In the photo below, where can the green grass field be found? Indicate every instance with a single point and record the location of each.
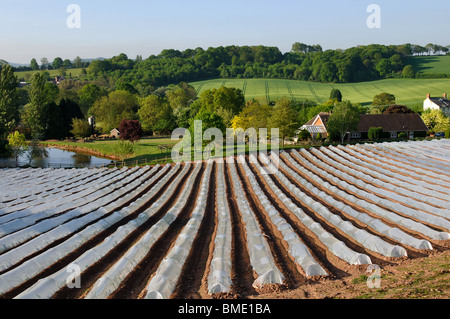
(407, 91)
(431, 64)
(53, 73)
(147, 148)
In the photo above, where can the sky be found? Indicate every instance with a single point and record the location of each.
(38, 28)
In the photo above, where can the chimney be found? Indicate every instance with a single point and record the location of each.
(445, 96)
(428, 95)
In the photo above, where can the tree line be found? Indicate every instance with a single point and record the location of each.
(302, 62)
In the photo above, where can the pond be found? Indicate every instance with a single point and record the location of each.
(56, 158)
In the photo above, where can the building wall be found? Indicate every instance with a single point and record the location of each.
(428, 104)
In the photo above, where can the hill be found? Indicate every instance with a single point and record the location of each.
(430, 64)
(410, 92)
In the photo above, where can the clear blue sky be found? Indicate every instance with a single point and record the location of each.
(37, 28)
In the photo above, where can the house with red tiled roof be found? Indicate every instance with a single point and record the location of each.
(392, 125)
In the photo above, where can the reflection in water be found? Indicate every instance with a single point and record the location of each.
(81, 159)
(52, 157)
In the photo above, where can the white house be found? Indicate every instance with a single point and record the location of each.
(437, 103)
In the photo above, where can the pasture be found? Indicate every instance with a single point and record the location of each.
(409, 92)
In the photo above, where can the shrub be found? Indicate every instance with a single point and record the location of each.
(402, 135)
(375, 133)
(124, 149)
(130, 130)
(304, 135)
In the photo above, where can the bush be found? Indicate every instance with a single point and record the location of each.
(402, 135)
(375, 133)
(304, 135)
(447, 133)
(124, 149)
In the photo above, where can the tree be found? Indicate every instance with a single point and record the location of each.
(67, 64)
(17, 143)
(44, 63)
(383, 99)
(112, 109)
(88, 95)
(408, 72)
(344, 119)
(180, 98)
(398, 109)
(284, 118)
(436, 121)
(35, 111)
(34, 65)
(209, 120)
(225, 102)
(57, 63)
(384, 67)
(336, 95)
(80, 128)
(78, 63)
(9, 103)
(126, 87)
(254, 115)
(130, 130)
(156, 115)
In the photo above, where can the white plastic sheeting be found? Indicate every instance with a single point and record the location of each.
(21, 219)
(372, 167)
(219, 279)
(112, 279)
(62, 179)
(413, 171)
(406, 222)
(406, 152)
(63, 230)
(400, 208)
(334, 245)
(260, 255)
(376, 224)
(412, 151)
(393, 194)
(387, 182)
(36, 190)
(162, 284)
(33, 196)
(366, 239)
(297, 249)
(37, 264)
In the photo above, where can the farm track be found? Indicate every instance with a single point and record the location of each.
(192, 280)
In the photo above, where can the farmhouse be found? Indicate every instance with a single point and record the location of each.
(441, 103)
(392, 125)
(318, 125)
